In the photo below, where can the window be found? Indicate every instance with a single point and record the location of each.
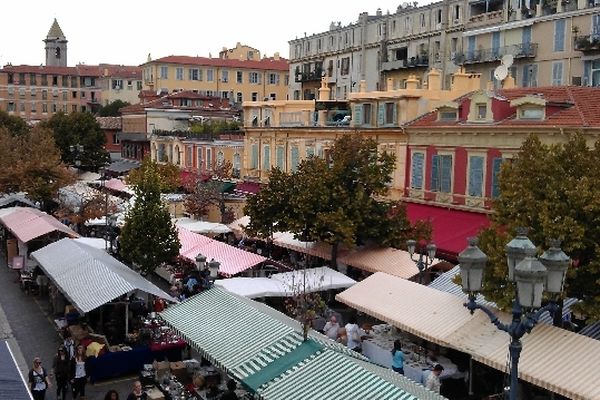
(239, 97)
(496, 165)
(447, 115)
(32, 79)
(476, 176)
(367, 110)
(11, 106)
(225, 76)
(210, 75)
(74, 108)
(295, 158)
(439, 16)
(65, 95)
(266, 161)
(557, 73)
(44, 94)
(273, 96)
(11, 91)
(179, 73)
(559, 35)
(530, 75)
(22, 92)
(21, 78)
(55, 81)
(199, 158)
(273, 79)
(73, 81)
(280, 158)
(33, 108)
(220, 158)
(139, 85)
(254, 96)
(188, 156)
(441, 173)
(74, 94)
(194, 74)
(45, 107)
(239, 76)
(254, 77)
(209, 161)
(250, 54)
(117, 84)
(254, 156)
(164, 72)
(237, 165)
(390, 113)
(416, 179)
(531, 113)
(406, 23)
(457, 13)
(54, 108)
(345, 66)
(44, 80)
(481, 111)
(22, 107)
(422, 20)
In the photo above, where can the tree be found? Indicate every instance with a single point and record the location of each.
(552, 190)
(336, 201)
(86, 207)
(149, 237)
(13, 124)
(30, 162)
(112, 109)
(208, 192)
(169, 175)
(79, 128)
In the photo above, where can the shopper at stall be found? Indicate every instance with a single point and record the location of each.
(353, 335)
(230, 393)
(111, 395)
(69, 343)
(332, 328)
(137, 393)
(61, 367)
(398, 357)
(433, 380)
(38, 380)
(78, 373)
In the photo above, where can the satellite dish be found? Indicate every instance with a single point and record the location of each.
(507, 60)
(500, 72)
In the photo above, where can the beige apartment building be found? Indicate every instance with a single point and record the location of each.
(238, 75)
(549, 43)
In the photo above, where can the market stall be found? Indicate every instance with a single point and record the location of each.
(202, 227)
(12, 383)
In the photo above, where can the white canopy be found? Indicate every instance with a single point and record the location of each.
(96, 243)
(287, 283)
(202, 227)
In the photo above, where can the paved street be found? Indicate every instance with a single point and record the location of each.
(25, 321)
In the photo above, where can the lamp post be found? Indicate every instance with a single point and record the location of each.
(426, 255)
(532, 276)
(102, 172)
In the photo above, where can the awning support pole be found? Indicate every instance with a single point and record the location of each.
(471, 376)
(126, 318)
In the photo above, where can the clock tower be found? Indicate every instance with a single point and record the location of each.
(56, 47)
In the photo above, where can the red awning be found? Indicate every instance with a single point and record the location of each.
(451, 228)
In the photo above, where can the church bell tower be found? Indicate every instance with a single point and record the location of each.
(56, 47)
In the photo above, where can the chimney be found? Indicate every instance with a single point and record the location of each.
(362, 86)
(276, 56)
(434, 80)
(324, 91)
(412, 82)
(508, 82)
(390, 84)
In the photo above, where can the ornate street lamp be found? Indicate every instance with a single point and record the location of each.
(213, 268)
(200, 262)
(532, 275)
(426, 256)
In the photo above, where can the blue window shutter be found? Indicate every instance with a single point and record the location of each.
(266, 158)
(476, 176)
(446, 175)
(526, 35)
(380, 115)
(471, 47)
(435, 173)
(254, 161)
(526, 75)
(310, 151)
(280, 157)
(496, 43)
(496, 164)
(295, 156)
(357, 117)
(417, 171)
(587, 67)
(559, 35)
(596, 26)
(395, 114)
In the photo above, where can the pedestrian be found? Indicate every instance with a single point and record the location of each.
(332, 328)
(111, 395)
(69, 343)
(398, 357)
(433, 380)
(78, 373)
(353, 335)
(38, 380)
(137, 393)
(230, 393)
(61, 367)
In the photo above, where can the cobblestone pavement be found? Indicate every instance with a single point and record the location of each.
(26, 322)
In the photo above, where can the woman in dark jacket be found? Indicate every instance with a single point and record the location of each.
(61, 367)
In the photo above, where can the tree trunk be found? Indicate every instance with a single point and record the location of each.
(334, 251)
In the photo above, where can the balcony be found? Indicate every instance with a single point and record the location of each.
(412, 62)
(489, 18)
(528, 50)
(309, 76)
(587, 44)
(297, 118)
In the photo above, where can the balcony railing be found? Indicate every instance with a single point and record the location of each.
(309, 76)
(412, 62)
(491, 17)
(297, 118)
(587, 44)
(528, 50)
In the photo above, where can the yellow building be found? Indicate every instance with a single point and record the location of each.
(283, 133)
(237, 79)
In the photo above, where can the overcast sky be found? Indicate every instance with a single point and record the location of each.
(125, 31)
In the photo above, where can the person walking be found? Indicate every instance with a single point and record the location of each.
(38, 380)
(398, 357)
(353, 334)
(332, 328)
(61, 367)
(78, 373)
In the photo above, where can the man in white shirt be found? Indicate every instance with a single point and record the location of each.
(332, 328)
(433, 380)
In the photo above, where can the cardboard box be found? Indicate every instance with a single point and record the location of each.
(179, 370)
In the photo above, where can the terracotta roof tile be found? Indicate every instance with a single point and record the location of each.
(123, 71)
(109, 122)
(264, 64)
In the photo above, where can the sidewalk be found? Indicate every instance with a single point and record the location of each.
(26, 322)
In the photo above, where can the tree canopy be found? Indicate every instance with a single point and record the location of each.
(13, 124)
(553, 191)
(79, 128)
(207, 192)
(336, 200)
(149, 237)
(112, 108)
(169, 175)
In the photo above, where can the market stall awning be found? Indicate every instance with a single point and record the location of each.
(30, 223)
(383, 259)
(451, 228)
(90, 277)
(268, 355)
(283, 284)
(96, 243)
(232, 259)
(15, 199)
(117, 185)
(203, 227)
(317, 249)
(239, 224)
(12, 383)
(123, 166)
(552, 358)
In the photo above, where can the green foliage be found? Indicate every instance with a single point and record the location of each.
(214, 127)
(334, 201)
(79, 128)
(13, 124)
(204, 193)
(149, 237)
(112, 109)
(553, 190)
(169, 175)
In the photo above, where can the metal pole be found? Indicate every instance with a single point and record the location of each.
(126, 317)
(470, 376)
(515, 353)
(105, 218)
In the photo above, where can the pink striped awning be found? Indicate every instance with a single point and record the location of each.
(30, 223)
(116, 184)
(232, 259)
